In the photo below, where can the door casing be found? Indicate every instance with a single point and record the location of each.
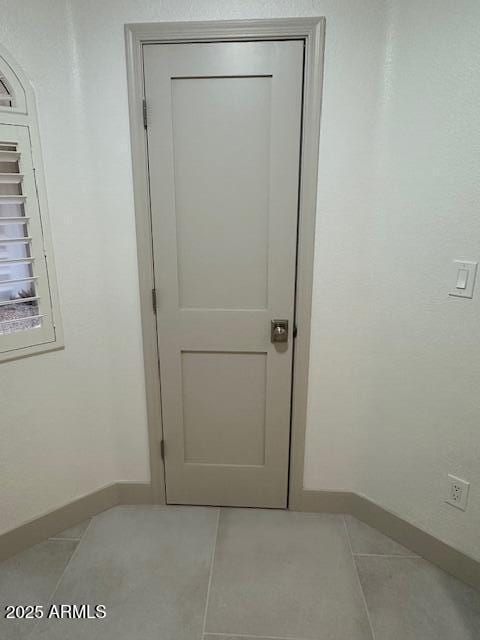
(312, 31)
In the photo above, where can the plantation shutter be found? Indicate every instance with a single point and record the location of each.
(26, 317)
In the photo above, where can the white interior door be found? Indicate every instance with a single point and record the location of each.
(223, 133)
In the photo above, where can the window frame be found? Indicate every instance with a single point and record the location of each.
(22, 117)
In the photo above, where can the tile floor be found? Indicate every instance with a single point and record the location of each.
(193, 573)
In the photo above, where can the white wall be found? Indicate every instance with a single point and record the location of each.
(394, 400)
(394, 360)
(73, 421)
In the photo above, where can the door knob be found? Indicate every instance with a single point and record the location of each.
(279, 331)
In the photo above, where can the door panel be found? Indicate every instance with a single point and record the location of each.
(224, 389)
(223, 146)
(217, 228)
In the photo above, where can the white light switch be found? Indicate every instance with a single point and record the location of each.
(464, 278)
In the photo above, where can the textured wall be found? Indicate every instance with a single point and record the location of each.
(74, 420)
(394, 402)
(394, 361)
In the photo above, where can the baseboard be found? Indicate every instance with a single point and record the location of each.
(134, 493)
(409, 535)
(70, 514)
(323, 501)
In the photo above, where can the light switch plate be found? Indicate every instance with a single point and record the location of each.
(464, 274)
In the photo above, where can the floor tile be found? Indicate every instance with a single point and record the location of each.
(217, 636)
(74, 533)
(149, 566)
(364, 539)
(410, 599)
(286, 574)
(29, 578)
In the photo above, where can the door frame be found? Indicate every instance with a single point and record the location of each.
(312, 31)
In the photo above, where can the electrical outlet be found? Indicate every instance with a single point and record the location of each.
(458, 492)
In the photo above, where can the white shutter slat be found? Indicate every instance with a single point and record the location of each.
(4, 303)
(9, 199)
(15, 220)
(9, 156)
(25, 240)
(4, 283)
(6, 261)
(11, 178)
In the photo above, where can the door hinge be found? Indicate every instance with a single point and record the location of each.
(145, 117)
(154, 301)
(295, 331)
(162, 449)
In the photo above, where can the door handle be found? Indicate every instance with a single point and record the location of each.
(279, 331)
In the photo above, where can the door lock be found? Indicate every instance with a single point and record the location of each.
(279, 331)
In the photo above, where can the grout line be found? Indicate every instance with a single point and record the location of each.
(68, 539)
(50, 597)
(211, 573)
(243, 635)
(385, 555)
(358, 578)
(74, 539)
(70, 561)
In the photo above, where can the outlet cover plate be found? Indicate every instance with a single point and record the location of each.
(457, 492)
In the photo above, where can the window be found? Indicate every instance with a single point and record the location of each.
(5, 93)
(29, 317)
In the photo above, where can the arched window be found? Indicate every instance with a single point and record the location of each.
(6, 97)
(29, 316)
